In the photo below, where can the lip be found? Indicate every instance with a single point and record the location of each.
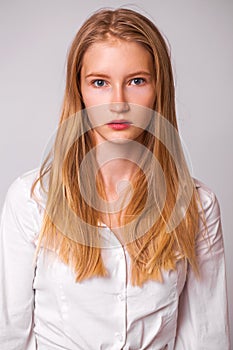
(120, 121)
(119, 124)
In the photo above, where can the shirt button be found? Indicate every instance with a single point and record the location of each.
(121, 297)
(119, 336)
(120, 256)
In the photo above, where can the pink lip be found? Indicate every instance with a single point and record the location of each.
(119, 124)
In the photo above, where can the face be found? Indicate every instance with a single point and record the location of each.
(117, 83)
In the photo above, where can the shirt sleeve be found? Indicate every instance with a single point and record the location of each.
(203, 313)
(17, 248)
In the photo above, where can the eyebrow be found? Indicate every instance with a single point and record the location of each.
(102, 75)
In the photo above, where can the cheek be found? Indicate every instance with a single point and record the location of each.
(92, 97)
(150, 99)
(149, 103)
(145, 98)
(90, 100)
(97, 113)
(93, 120)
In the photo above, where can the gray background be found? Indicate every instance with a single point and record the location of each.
(35, 37)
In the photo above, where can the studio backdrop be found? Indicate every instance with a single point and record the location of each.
(35, 38)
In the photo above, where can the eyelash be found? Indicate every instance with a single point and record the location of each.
(96, 81)
(142, 81)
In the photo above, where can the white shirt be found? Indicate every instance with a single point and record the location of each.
(42, 307)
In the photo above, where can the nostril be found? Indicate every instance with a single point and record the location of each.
(119, 107)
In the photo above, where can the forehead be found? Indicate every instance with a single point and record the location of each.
(113, 51)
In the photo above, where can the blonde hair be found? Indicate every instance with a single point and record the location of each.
(155, 249)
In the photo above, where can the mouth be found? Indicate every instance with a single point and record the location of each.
(119, 124)
(120, 121)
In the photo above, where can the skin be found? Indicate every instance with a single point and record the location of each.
(115, 76)
(117, 84)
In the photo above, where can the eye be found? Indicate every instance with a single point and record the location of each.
(99, 83)
(137, 81)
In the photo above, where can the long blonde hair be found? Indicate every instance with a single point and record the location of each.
(157, 248)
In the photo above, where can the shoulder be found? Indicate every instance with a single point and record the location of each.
(210, 226)
(20, 208)
(208, 199)
(20, 189)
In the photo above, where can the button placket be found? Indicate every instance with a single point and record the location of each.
(120, 333)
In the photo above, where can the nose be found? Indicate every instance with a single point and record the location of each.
(119, 103)
(119, 107)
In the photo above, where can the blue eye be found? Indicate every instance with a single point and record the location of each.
(99, 83)
(137, 81)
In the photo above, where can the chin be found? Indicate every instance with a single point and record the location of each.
(120, 140)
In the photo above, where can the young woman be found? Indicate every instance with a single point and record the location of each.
(111, 244)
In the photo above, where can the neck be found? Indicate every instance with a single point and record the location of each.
(117, 165)
(118, 162)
